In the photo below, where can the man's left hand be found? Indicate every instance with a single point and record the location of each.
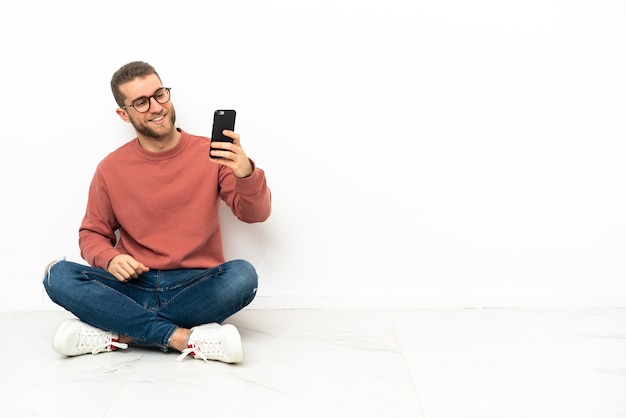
(232, 155)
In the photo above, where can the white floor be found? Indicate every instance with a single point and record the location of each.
(338, 363)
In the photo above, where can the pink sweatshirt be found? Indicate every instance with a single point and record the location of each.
(165, 206)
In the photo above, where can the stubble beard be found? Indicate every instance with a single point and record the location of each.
(146, 130)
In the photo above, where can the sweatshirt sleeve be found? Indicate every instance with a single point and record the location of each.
(249, 198)
(96, 235)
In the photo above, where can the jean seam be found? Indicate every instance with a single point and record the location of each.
(133, 301)
(184, 290)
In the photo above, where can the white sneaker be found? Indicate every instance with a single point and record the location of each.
(74, 338)
(214, 342)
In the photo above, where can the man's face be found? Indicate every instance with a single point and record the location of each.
(159, 121)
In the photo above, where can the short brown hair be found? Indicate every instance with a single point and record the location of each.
(129, 72)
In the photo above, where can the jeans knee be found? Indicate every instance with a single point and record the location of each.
(60, 278)
(246, 273)
(51, 278)
(244, 281)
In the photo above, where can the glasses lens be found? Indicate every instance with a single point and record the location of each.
(141, 104)
(162, 95)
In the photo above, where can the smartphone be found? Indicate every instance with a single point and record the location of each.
(222, 119)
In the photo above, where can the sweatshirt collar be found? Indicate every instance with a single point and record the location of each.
(162, 155)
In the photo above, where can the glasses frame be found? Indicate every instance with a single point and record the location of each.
(169, 96)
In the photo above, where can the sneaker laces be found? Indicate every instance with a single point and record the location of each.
(204, 347)
(99, 340)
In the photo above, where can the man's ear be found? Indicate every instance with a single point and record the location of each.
(122, 114)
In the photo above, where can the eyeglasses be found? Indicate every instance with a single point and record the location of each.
(142, 104)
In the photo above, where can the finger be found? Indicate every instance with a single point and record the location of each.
(232, 135)
(125, 272)
(222, 156)
(133, 271)
(120, 277)
(128, 272)
(221, 145)
(139, 269)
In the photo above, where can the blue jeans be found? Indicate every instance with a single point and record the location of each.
(150, 308)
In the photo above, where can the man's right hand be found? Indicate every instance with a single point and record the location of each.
(125, 268)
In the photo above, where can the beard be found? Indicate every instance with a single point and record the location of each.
(146, 130)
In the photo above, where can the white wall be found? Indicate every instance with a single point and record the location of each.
(420, 153)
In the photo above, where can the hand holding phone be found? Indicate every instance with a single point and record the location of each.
(222, 120)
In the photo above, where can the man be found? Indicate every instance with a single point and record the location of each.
(151, 235)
